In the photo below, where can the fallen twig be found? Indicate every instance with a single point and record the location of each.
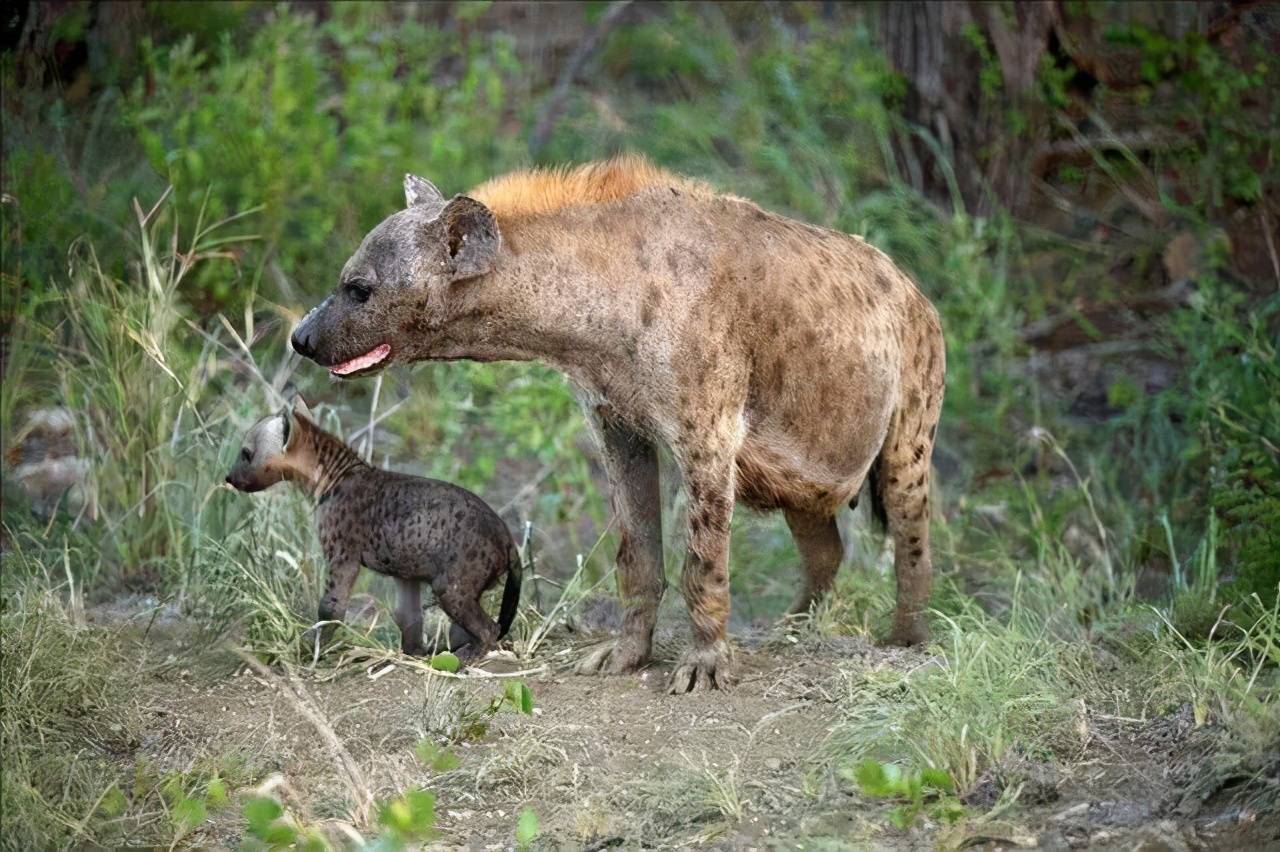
(302, 703)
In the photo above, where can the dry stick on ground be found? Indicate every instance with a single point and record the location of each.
(588, 45)
(302, 703)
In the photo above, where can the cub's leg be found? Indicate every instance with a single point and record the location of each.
(818, 539)
(465, 612)
(409, 616)
(333, 603)
(632, 466)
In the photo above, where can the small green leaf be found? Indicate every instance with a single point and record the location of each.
(439, 759)
(938, 779)
(260, 811)
(113, 802)
(519, 696)
(948, 810)
(870, 777)
(188, 813)
(526, 827)
(279, 834)
(915, 788)
(216, 792)
(446, 662)
(903, 816)
(411, 815)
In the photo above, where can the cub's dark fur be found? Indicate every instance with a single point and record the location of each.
(412, 529)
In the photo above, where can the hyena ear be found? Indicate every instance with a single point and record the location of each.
(419, 190)
(471, 236)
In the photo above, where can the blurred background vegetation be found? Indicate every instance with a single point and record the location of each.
(1089, 192)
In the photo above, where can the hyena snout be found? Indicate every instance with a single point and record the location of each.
(248, 482)
(303, 341)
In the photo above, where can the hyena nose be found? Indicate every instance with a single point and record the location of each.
(301, 341)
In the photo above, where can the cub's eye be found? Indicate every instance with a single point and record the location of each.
(245, 455)
(358, 291)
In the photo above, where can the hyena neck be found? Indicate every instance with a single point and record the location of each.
(512, 315)
(323, 461)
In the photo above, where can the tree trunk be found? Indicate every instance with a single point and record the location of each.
(971, 70)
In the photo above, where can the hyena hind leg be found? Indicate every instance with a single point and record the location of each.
(409, 617)
(817, 537)
(470, 622)
(904, 475)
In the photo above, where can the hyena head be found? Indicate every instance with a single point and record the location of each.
(401, 284)
(266, 454)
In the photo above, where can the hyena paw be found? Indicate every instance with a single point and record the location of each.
(705, 668)
(909, 631)
(620, 657)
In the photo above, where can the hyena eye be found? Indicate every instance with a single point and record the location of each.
(358, 291)
(245, 455)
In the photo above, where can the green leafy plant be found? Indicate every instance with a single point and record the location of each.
(445, 662)
(925, 788)
(434, 757)
(526, 828)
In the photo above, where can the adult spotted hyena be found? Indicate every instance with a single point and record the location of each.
(781, 363)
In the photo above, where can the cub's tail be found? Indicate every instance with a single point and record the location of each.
(511, 591)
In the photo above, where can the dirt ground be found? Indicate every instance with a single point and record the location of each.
(616, 762)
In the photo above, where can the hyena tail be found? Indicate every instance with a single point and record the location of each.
(510, 593)
(878, 514)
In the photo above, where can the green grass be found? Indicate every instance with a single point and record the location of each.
(65, 706)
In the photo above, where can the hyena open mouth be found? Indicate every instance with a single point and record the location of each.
(373, 357)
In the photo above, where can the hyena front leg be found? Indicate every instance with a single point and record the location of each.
(632, 466)
(337, 591)
(409, 616)
(709, 480)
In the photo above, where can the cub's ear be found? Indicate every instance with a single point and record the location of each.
(419, 190)
(292, 412)
(471, 236)
(286, 427)
(300, 408)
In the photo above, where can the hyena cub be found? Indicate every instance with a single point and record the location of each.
(412, 529)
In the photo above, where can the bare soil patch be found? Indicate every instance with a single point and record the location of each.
(616, 762)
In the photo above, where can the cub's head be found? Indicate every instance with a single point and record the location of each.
(267, 454)
(401, 284)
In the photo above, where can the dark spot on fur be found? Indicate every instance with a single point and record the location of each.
(917, 553)
(919, 452)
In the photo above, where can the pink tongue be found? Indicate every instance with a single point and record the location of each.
(361, 362)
